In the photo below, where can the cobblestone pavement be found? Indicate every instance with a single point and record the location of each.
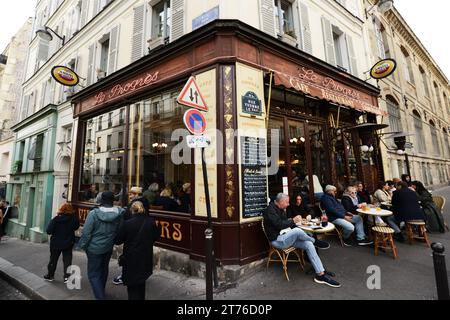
(7, 292)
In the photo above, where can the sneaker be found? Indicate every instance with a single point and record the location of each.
(49, 278)
(322, 245)
(118, 280)
(330, 274)
(348, 242)
(364, 242)
(324, 279)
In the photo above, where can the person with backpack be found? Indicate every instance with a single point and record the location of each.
(62, 231)
(97, 240)
(137, 234)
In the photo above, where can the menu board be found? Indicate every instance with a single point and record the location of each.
(254, 176)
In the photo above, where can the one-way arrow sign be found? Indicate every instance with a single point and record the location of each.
(190, 96)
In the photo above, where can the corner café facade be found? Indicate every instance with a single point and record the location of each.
(125, 123)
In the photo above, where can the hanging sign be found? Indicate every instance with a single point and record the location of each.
(65, 76)
(190, 96)
(383, 69)
(195, 121)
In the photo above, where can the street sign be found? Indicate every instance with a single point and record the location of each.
(195, 142)
(190, 96)
(194, 121)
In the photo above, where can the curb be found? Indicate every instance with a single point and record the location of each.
(29, 284)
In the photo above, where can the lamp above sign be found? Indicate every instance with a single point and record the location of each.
(65, 76)
(383, 69)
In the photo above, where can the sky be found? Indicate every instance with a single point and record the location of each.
(429, 20)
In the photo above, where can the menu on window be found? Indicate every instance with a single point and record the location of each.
(254, 176)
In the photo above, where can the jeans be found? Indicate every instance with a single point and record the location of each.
(297, 238)
(98, 268)
(136, 292)
(349, 227)
(54, 256)
(393, 223)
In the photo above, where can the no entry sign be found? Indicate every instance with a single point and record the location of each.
(194, 121)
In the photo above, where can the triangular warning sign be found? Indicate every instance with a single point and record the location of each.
(190, 96)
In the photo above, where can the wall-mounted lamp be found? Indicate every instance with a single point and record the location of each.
(382, 5)
(46, 35)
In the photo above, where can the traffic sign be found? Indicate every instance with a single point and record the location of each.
(195, 142)
(194, 121)
(190, 96)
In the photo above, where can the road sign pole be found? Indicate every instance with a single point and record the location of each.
(209, 237)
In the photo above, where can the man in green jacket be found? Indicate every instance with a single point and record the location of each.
(97, 240)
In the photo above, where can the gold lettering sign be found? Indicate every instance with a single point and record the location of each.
(170, 231)
(82, 214)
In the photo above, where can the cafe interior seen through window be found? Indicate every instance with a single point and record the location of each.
(110, 163)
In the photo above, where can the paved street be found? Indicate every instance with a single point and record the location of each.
(7, 292)
(409, 277)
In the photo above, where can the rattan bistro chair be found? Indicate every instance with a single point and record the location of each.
(440, 203)
(283, 255)
(337, 230)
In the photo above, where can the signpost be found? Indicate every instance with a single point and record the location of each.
(196, 124)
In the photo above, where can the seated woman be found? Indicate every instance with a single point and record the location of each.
(299, 208)
(406, 207)
(363, 194)
(350, 200)
(434, 219)
(167, 201)
(382, 194)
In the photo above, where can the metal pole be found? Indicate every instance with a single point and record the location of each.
(440, 271)
(209, 237)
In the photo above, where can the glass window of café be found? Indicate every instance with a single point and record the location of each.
(135, 149)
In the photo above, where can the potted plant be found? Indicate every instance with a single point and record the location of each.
(17, 167)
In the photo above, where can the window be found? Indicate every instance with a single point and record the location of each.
(121, 116)
(446, 142)
(447, 105)
(38, 153)
(284, 18)
(119, 165)
(99, 144)
(97, 166)
(120, 140)
(340, 49)
(108, 142)
(100, 123)
(161, 20)
(424, 81)
(393, 109)
(108, 166)
(382, 40)
(408, 69)
(110, 122)
(438, 96)
(418, 126)
(104, 52)
(434, 138)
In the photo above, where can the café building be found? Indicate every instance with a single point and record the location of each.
(278, 118)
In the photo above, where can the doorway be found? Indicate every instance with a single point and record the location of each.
(30, 211)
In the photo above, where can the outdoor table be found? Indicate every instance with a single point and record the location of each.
(375, 213)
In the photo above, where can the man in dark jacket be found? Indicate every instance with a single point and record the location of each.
(341, 217)
(283, 233)
(62, 230)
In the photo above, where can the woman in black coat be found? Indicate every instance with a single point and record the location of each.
(62, 230)
(137, 235)
(434, 219)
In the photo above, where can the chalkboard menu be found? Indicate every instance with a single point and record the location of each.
(254, 176)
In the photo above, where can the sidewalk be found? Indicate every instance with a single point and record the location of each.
(409, 277)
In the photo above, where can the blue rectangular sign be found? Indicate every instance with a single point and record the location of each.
(205, 18)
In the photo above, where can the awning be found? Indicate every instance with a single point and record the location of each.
(313, 84)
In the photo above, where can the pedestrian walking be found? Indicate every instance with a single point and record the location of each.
(62, 231)
(97, 239)
(137, 234)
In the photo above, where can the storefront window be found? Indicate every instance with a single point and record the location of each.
(319, 157)
(297, 151)
(276, 180)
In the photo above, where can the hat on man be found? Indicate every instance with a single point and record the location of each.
(136, 190)
(107, 198)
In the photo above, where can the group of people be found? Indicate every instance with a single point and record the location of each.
(5, 214)
(107, 225)
(409, 200)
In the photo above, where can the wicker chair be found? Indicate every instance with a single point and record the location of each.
(283, 255)
(440, 203)
(336, 232)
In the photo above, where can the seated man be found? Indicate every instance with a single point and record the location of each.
(275, 220)
(339, 216)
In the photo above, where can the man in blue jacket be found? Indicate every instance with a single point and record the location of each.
(97, 240)
(338, 215)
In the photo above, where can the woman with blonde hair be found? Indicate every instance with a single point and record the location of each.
(137, 235)
(167, 201)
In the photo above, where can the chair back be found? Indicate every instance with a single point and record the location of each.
(440, 203)
(320, 208)
(264, 230)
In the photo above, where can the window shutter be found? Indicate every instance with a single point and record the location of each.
(43, 50)
(352, 56)
(177, 7)
(25, 106)
(138, 33)
(43, 91)
(268, 16)
(114, 44)
(90, 75)
(84, 13)
(306, 29)
(328, 41)
(380, 43)
(34, 100)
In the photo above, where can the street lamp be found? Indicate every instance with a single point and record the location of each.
(401, 144)
(46, 35)
(382, 5)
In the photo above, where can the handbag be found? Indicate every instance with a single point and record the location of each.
(121, 258)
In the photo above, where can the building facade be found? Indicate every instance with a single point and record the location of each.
(416, 98)
(12, 66)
